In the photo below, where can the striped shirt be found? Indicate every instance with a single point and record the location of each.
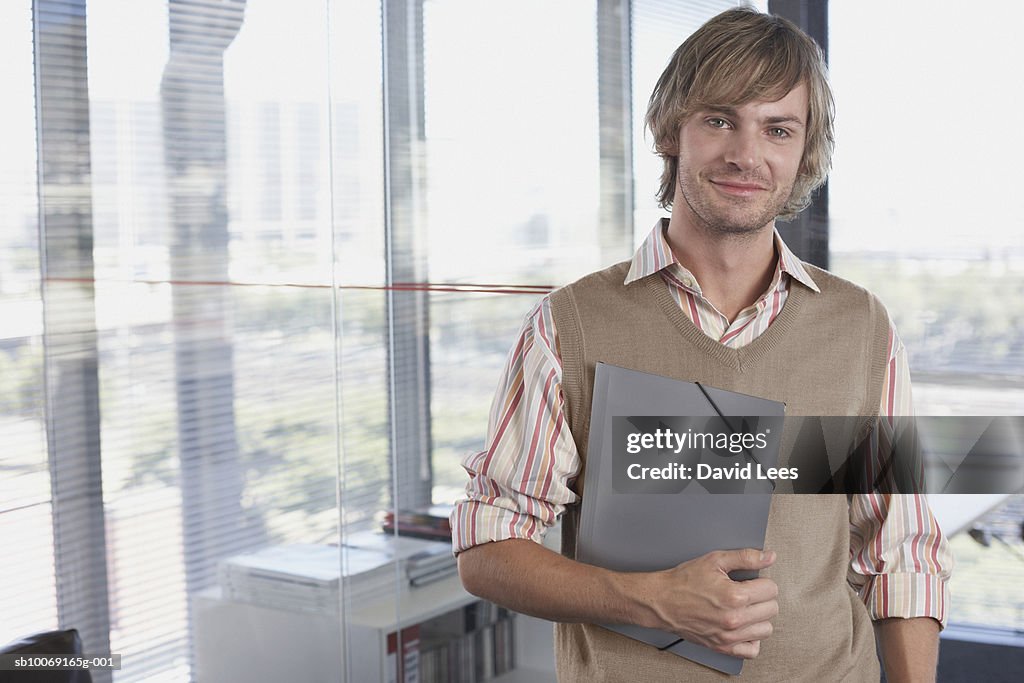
(900, 561)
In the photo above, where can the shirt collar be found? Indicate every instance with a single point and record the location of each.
(655, 255)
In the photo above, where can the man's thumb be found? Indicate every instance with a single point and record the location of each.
(746, 558)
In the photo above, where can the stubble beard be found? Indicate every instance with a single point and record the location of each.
(742, 222)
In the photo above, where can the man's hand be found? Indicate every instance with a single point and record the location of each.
(699, 601)
(696, 599)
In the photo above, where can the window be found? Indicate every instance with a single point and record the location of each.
(926, 219)
(25, 510)
(512, 194)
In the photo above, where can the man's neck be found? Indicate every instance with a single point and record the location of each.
(732, 270)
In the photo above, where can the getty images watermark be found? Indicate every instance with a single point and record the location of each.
(817, 454)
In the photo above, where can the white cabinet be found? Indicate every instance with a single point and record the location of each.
(237, 641)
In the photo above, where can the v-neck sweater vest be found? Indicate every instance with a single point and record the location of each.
(824, 354)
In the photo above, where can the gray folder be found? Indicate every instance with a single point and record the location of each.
(628, 530)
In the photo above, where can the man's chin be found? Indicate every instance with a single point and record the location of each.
(738, 226)
(731, 217)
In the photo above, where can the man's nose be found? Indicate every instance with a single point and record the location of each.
(744, 150)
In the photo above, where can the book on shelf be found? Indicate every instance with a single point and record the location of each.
(468, 645)
(404, 666)
(430, 522)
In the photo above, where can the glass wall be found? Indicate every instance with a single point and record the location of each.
(261, 267)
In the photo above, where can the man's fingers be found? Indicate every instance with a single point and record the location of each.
(736, 595)
(747, 558)
(745, 641)
(762, 611)
(759, 630)
(747, 650)
(758, 590)
(736, 622)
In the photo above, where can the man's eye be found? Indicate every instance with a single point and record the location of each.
(716, 122)
(778, 132)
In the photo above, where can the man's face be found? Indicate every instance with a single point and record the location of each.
(737, 165)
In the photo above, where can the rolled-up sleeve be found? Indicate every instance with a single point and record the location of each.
(900, 561)
(520, 484)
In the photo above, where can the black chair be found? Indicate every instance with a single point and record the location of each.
(46, 643)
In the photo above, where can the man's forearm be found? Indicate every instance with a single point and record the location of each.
(910, 648)
(695, 599)
(495, 572)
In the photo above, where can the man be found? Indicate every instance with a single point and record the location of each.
(743, 119)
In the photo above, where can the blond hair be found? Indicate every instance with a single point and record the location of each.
(739, 56)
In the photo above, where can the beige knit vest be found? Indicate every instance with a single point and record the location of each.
(825, 354)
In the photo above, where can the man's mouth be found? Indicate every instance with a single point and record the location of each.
(738, 188)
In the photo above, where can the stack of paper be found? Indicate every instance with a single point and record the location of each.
(424, 561)
(307, 577)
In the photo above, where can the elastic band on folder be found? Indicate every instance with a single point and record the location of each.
(731, 430)
(673, 643)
